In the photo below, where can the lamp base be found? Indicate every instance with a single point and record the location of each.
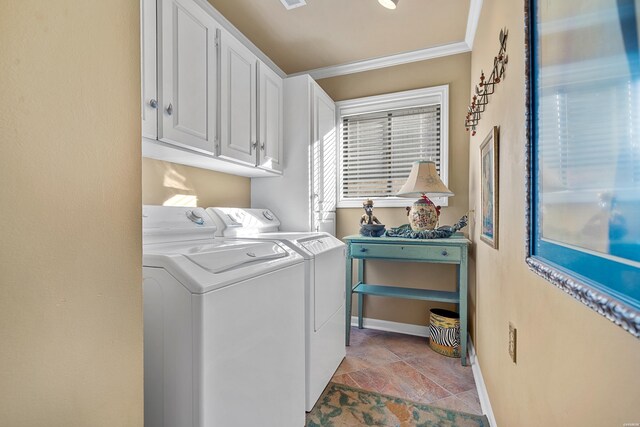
(423, 215)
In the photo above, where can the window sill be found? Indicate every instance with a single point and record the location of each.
(394, 202)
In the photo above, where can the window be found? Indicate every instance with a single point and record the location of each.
(381, 137)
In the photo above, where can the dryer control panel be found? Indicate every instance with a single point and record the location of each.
(234, 222)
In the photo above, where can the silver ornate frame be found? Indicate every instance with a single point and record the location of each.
(613, 309)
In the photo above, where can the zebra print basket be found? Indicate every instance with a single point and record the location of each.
(444, 332)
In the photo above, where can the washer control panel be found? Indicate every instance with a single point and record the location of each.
(195, 216)
(163, 224)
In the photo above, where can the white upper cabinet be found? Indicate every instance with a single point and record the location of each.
(149, 69)
(238, 96)
(306, 191)
(270, 119)
(188, 75)
(208, 98)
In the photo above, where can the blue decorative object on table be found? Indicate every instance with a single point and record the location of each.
(372, 230)
(443, 232)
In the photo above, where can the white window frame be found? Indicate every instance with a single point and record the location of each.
(394, 101)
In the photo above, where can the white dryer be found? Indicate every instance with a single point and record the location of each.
(223, 326)
(324, 287)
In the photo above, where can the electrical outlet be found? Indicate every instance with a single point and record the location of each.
(512, 342)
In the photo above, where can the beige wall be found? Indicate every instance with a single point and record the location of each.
(179, 185)
(452, 70)
(575, 368)
(70, 257)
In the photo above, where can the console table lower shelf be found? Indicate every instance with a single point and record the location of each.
(453, 250)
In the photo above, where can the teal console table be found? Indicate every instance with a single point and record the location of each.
(453, 250)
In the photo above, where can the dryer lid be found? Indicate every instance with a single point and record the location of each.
(320, 243)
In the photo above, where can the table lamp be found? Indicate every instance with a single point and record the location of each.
(423, 179)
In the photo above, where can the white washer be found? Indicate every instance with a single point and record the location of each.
(324, 287)
(223, 326)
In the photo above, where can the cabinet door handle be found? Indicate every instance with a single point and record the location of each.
(445, 253)
(153, 103)
(170, 109)
(262, 146)
(363, 249)
(254, 144)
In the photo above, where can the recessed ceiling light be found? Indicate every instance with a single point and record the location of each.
(389, 4)
(292, 4)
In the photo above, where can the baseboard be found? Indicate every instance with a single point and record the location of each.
(386, 325)
(423, 331)
(485, 404)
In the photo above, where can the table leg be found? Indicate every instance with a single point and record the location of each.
(348, 296)
(360, 296)
(463, 285)
(457, 306)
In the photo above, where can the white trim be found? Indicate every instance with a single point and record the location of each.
(423, 331)
(395, 100)
(389, 326)
(391, 101)
(475, 7)
(390, 202)
(160, 150)
(387, 61)
(483, 395)
(224, 23)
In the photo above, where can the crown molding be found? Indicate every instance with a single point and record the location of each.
(387, 61)
(475, 7)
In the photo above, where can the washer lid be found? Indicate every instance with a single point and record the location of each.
(206, 265)
(308, 243)
(236, 257)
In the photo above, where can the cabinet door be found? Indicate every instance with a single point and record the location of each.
(238, 80)
(149, 68)
(270, 118)
(188, 75)
(324, 160)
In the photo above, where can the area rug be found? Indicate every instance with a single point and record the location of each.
(343, 406)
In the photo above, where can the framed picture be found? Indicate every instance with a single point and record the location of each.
(583, 156)
(489, 188)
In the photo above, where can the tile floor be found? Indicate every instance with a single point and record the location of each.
(404, 366)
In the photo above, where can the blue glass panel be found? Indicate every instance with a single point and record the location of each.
(586, 142)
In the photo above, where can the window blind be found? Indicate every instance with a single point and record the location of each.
(379, 148)
(579, 152)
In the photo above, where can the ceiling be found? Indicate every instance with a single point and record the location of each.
(333, 32)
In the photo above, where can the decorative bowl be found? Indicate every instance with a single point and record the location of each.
(372, 230)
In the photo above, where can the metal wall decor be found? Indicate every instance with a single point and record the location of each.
(486, 86)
